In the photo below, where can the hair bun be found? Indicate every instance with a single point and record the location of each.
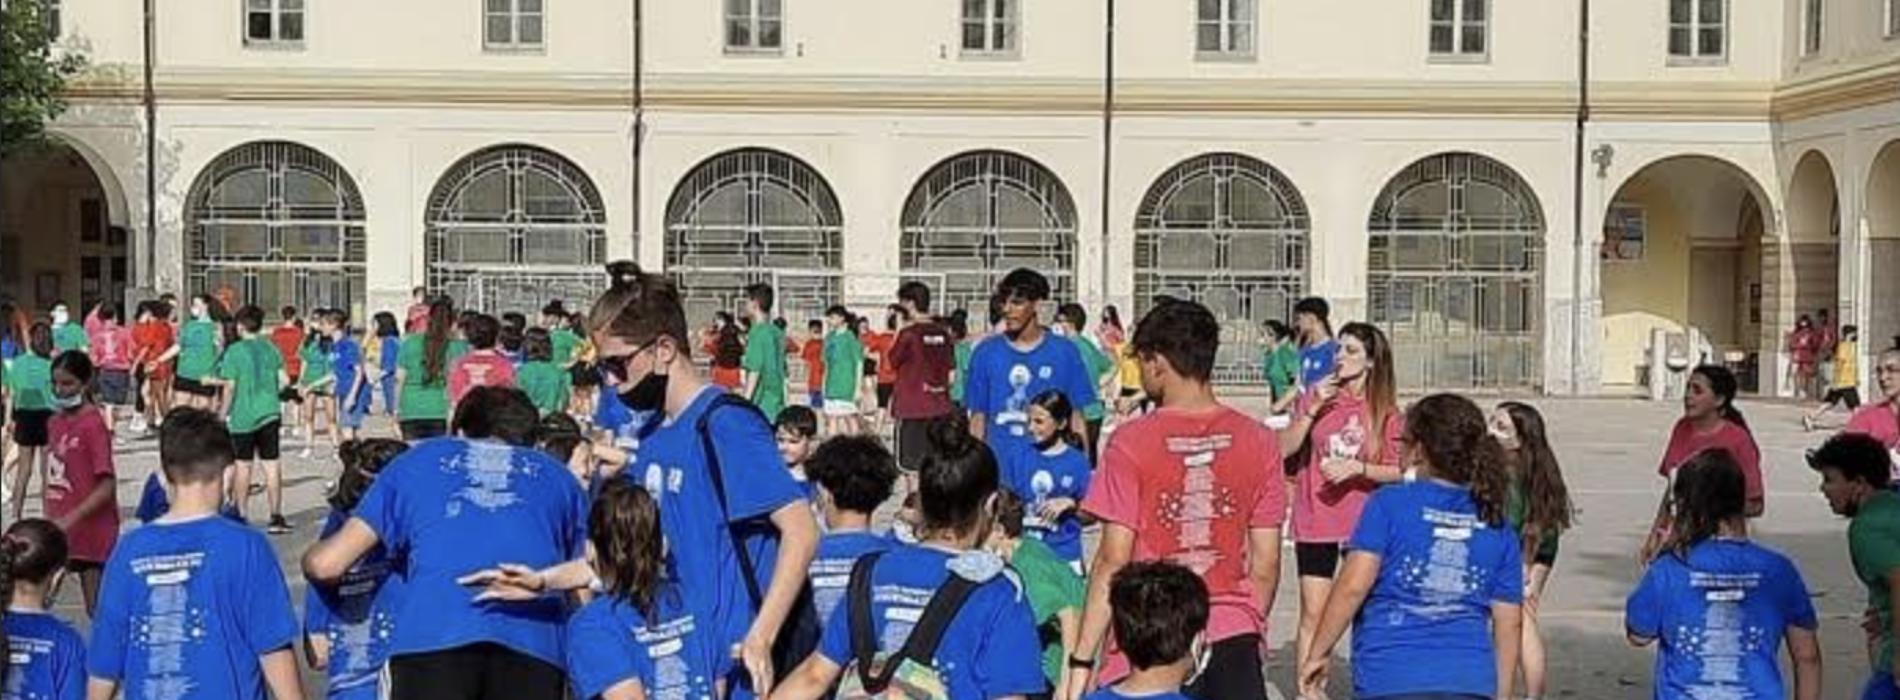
(624, 274)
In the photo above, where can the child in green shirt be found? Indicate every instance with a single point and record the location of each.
(29, 393)
(547, 384)
(1055, 591)
(253, 376)
(844, 364)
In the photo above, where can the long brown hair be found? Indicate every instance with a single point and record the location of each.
(1451, 432)
(1382, 388)
(435, 342)
(624, 527)
(1549, 510)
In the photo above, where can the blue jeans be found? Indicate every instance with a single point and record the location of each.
(1880, 687)
(389, 393)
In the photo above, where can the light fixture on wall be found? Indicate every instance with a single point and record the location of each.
(1603, 155)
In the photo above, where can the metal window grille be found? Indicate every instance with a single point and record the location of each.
(978, 215)
(279, 223)
(1230, 232)
(1455, 273)
(510, 227)
(755, 215)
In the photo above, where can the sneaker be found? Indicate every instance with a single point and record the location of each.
(307, 453)
(278, 525)
(1807, 423)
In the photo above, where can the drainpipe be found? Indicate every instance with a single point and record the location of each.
(639, 112)
(149, 248)
(1108, 133)
(1576, 198)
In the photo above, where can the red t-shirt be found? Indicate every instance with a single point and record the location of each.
(1325, 512)
(80, 459)
(289, 340)
(1803, 344)
(879, 344)
(922, 359)
(111, 346)
(813, 353)
(1685, 442)
(1192, 485)
(479, 368)
(1880, 422)
(150, 341)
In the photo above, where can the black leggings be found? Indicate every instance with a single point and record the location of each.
(475, 672)
(1234, 671)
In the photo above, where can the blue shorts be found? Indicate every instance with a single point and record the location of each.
(1880, 687)
(351, 416)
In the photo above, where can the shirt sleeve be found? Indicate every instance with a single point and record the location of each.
(976, 394)
(1374, 532)
(1875, 550)
(903, 349)
(316, 610)
(1009, 658)
(754, 358)
(600, 655)
(105, 658)
(69, 680)
(1796, 603)
(1269, 510)
(757, 481)
(1643, 612)
(381, 508)
(270, 623)
(1114, 494)
(1507, 586)
(1081, 383)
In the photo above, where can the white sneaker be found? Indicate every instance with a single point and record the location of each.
(306, 453)
(138, 426)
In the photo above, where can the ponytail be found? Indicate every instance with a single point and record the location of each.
(31, 550)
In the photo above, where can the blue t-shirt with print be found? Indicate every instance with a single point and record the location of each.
(1004, 378)
(671, 464)
(831, 568)
(1316, 361)
(48, 660)
(356, 616)
(989, 650)
(1036, 476)
(674, 656)
(187, 608)
(1113, 694)
(346, 359)
(1441, 568)
(450, 507)
(1720, 616)
(154, 503)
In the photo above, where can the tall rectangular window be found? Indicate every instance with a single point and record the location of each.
(514, 25)
(1812, 20)
(1225, 28)
(989, 26)
(1461, 28)
(1893, 18)
(1698, 29)
(755, 26)
(273, 21)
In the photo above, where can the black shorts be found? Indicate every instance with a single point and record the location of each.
(1234, 671)
(913, 440)
(1316, 559)
(194, 387)
(1129, 392)
(884, 392)
(29, 427)
(474, 672)
(115, 387)
(265, 443)
(1848, 396)
(418, 430)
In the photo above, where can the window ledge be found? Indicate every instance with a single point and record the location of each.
(1226, 57)
(982, 56)
(273, 45)
(1697, 62)
(754, 52)
(1459, 59)
(515, 49)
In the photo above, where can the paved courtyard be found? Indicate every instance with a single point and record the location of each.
(1609, 449)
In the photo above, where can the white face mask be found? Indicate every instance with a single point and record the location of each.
(60, 317)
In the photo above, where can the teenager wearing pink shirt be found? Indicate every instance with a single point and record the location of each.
(1709, 421)
(1195, 483)
(111, 343)
(1881, 419)
(81, 494)
(1349, 427)
(483, 365)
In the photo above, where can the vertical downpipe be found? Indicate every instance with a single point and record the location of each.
(639, 114)
(1108, 141)
(149, 273)
(1576, 198)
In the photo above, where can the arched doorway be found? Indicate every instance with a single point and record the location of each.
(512, 227)
(978, 215)
(1455, 274)
(755, 215)
(1883, 247)
(1683, 255)
(1807, 263)
(62, 230)
(278, 223)
(1231, 232)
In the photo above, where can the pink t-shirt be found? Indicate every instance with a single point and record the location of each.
(1192, 485)
(111, 346)
(1325, 512)
(479, 368)
(1685, 442)
(1880, 422)
(79, 459)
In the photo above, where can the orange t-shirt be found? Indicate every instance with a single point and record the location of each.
(880, 345)
(150, 340)
(814, 356)
(289, 340)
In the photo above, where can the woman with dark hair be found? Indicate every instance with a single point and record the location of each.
(1719, 604)
(726, 345)
(200, 340)
(1280, 360)
(1709, 421)
(1347, 428)
(1051, 475)
(422, 374)
(1540, 507)
(29, 396)
(41, 656)
(380, 355)
(1434, 571)
(82, 498)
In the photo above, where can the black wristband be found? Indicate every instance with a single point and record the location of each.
(1080, 663)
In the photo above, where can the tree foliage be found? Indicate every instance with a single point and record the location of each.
(33, 72)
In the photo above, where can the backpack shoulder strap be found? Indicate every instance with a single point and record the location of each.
(921, 646)
(861, 625)
(716, 471)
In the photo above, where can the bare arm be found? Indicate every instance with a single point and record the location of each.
(629, 689)
(330, 558)
(1756, 506)
(979, 425)
(1263, 565)
(1350, 589)
(95, 499)
(798, 543)
(1070, 622)
(280, 673)
(1116, 550)
(1507, 636)
(810, 680)
(1653, 541)
(316, 650)
(101, 689)
(1804, 648)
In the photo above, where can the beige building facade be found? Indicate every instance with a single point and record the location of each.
(1426, 166)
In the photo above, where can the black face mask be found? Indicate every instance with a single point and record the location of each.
(1049, 444)
(647, 395)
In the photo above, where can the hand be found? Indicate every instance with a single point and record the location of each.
(507, 583)
(1870, 623)
(1341, 470)
(1313, 677)
(1076, 684)
(1054, 508)
(756, 654)
(1325, 391)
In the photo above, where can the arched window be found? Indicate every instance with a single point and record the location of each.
(278, 223)
(755, 215)
(1230, 232)
(512, 227)
(976, 216)
(1455, 273)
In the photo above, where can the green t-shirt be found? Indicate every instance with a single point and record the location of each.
(423, 399)
(565, 341)
(197, 349)
(254, 368)
(30, 379)
(963, 369)
(844, 364)
(1517, 508)
(1873, 542)
(1099, 367)
(71, 336)
(765, 357)
(1052, 587)
(316, 365)
(546, 384)
(1283, 369)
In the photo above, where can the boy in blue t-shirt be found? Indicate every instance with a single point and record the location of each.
(194, 603)
(1159, 608)
(347, 626)
(855, 475)
(797, 431)
(1027, 360)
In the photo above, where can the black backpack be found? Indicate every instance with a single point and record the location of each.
(909, 673)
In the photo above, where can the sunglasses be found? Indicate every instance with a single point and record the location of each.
(615, 368)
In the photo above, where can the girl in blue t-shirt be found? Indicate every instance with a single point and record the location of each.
(1433, 571)
(40, 655)
(1720, 605)
(347, 627)
(639, 639)
(388, 341)
(1051, 475)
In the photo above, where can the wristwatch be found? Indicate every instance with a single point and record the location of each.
(1080, 663)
